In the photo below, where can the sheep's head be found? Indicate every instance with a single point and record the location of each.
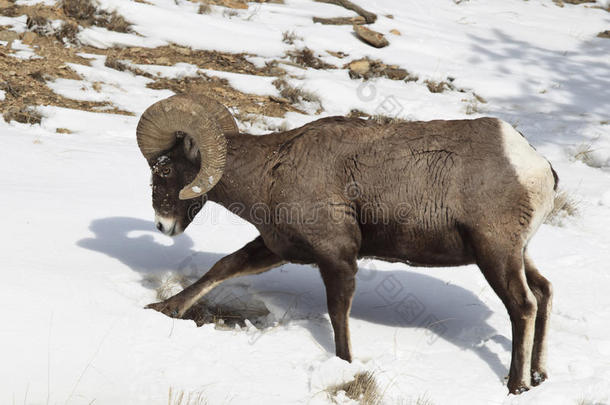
(183, 140)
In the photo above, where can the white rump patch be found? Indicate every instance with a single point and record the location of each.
(533, 172)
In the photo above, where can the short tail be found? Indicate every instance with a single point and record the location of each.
(555, 176)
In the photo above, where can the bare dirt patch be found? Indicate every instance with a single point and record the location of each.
(172, 54)
(220, 90)
(24, 81)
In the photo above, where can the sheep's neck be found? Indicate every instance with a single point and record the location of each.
(241, 188)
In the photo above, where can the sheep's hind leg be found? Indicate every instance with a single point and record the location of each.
(503, 267)
(340, 281)
(543, 292)
(253, 258)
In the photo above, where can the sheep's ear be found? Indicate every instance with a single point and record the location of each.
(190, 148)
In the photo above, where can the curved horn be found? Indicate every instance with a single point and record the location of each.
(204, 119)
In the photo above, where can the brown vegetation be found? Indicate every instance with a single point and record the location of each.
(307, 59)
(295, 95)
(87, 14)
(565, 205)
(25, 85)
(363, 388)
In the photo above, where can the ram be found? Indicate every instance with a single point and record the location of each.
(437, 193)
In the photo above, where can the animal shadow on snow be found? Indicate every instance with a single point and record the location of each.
(396, 298)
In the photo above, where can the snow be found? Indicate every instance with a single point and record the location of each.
(16, 24)
(23, 51)
(81, 251)
(259, 85)
(102, 38)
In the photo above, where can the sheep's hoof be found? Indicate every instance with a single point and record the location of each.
(166, 307)
(538, 377)
(517, 389)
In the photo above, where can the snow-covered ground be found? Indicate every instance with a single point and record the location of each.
(80, 254)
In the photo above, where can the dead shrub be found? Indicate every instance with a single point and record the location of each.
(86, 13)
(363, 388)
(182, 398)
(307, 59)
(81, 10)
(25, 115)
(289, 37)
(204, 8)
(583, 153)
(385, 120)
(114, 63)
(296, 95)
(438, 87)
(38, 24)
(114, 22)
(565, 205)
(67, 33)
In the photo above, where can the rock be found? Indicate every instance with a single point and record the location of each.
(395, 32)
(371, 37)
(29, 37)
(604, 34)
(359, 67)
(396, 73)
(8, 36)
(359, 20)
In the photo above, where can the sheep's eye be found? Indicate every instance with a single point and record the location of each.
(166, 171)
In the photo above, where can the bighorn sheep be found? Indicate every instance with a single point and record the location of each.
(438, 193)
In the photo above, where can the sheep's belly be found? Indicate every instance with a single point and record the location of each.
(416, 246)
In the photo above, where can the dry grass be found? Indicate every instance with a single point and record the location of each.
(472, 106)
(438, 87)
(171, 54)
(423, 400)
(588, 401)
(307, 59)
(385, 120)
(289, 37)
(204, 8)
(583, 153)
(296, 95)
(25, 115)
(230, 13)
(363, 388)
(87, 14)
(25, 83)
(227, 312)
(565, 206)
(182, 398)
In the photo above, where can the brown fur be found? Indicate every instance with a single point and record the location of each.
(438, 193)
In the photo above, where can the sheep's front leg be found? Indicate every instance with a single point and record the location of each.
(253, 258)
(340, 281)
